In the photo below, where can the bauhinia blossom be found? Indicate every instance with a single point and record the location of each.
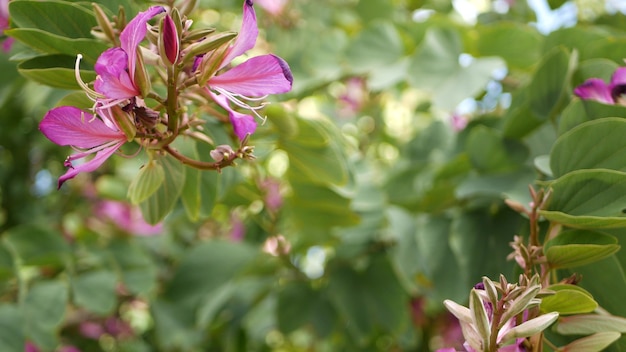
(251, 80)
(116, 67)
(68, 125)
(4, 24)
(598, 90)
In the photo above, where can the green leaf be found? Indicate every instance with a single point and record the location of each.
(291, 313)
(35, 245)
(316, 209)
(495, 40)
(597, 144)
(161, 202)
(43, 310)
(54, 70)
(567, 300)
(603, 279)
(49, 43)
(579, 247)
(380, 305)
(6, 264)
(555, 4)
(588, 198)
(138, 271)
(594, 68)
(593, 343)
(316, 154)
(435, 67)
(62, 18)
(207, 267)
(585, 324)
(95, 291)
(580, 111)
(549, 87)
(544, 97)
(376, 46)
(190, 195)
(11, 334)
(490, 153)
(149, 179)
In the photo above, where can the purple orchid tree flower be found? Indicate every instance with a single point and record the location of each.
(68, 125)
(4, 24)
(116, 67)
(252, 80)
(598, 90)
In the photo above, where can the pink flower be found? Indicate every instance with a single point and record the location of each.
(68, 125)
(116, 66)
(30, 347)
(4, 24)
(127, 218)
(596, 89)
(251, 80)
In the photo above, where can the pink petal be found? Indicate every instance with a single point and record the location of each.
(68, 125)
(89, 166)
(134, 33)
(619, 77)
(594, 89)
(246, 39)
(242, 124)
(113, 80)
(258, 76)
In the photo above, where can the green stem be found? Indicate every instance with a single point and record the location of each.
(172, 100)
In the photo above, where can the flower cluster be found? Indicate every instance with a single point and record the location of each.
(195, 66)
(501, 316)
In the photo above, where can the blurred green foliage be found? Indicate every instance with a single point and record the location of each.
(374, 196)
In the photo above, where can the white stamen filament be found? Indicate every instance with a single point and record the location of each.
(92, 94)
(233, 97)
(83, 153)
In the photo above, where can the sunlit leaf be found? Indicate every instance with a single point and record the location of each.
(568, 299)
(579, 247)
(149, 179)
(435, 67)
(589, 198)
(495, 40)
(377, 46)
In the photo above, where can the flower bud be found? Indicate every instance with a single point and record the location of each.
(169, 42)
(142, 78)
(124, 122)
(104, 24)
(222, 152)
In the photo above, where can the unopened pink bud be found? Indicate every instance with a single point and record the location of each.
(169, 39)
